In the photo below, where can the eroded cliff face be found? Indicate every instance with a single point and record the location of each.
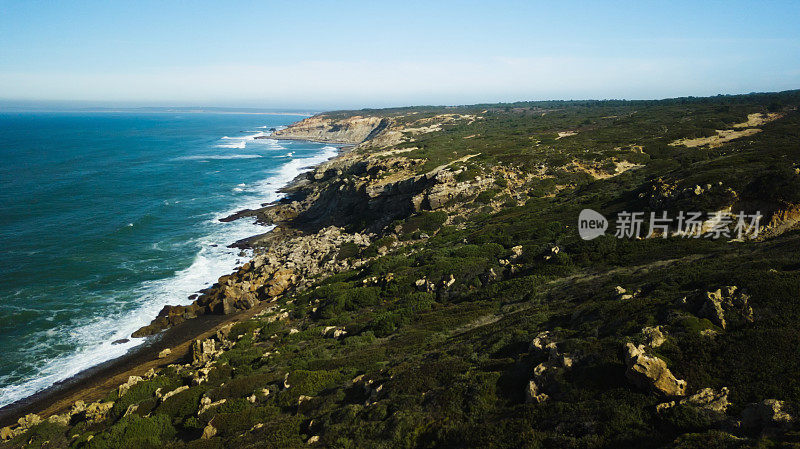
(321, 128)
(352, 199)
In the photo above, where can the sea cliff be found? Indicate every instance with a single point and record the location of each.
(428, 287)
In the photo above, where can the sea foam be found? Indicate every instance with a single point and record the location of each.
(212, 260)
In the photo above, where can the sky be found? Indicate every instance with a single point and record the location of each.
(349, 54)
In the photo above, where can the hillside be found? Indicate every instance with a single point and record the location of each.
(429, 288)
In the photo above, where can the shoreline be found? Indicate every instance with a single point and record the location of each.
(95, 382)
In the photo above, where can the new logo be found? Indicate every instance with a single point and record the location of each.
(591, 224)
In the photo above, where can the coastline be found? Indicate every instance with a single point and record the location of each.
(94, 383)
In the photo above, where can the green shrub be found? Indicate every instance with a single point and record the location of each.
(428, 222)
(142, 391)
(135, 432)
(348, 250)
(182, 404)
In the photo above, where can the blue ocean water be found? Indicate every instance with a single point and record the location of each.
(107, 217)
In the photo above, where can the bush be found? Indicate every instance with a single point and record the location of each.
(428, 222)
(136, 432)
(348, 250)
(182, 404)
(142, 391)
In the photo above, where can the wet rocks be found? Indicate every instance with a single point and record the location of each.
(651, 373)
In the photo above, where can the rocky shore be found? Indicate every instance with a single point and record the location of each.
(340, 203)
(348, 200)
(433, 270)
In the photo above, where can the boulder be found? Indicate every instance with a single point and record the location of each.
(29, 420)
(165, 353)
(653, 336)
(728, 299)
(203, 351)
(98, 411)
(205, 404)
(131, 409)
(280, 281)
(7, 433)
(122, 389)
(208, 432)
(540, 341)
(532, 393)
(169, 394)
(651, 373)
(62, 419)
(707, 399)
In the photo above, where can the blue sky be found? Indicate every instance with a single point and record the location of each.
(353, 54)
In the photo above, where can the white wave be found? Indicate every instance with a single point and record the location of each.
(200, 157)
(240, 142)
(213, 259)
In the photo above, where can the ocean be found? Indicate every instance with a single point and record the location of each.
(107, 217)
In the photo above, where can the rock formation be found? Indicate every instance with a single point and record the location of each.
(651, 373)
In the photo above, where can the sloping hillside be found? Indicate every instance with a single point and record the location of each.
(429, 288)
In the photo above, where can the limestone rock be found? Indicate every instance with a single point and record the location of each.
(132, 380)
(653, 336)
(280, 282)
(208, 432)
(62, 419)
(165, 353)
(714, 305)
(29, 420)
(424, 285)
(540, 341)
(532, 393)
(651, 373)
(205, 404)
(98, 411)
(707, 398)
(203, 351)
(169, 394)
(7, 433)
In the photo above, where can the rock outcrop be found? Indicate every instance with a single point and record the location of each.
(323, 128)
(651, 373)
(714, 305)
(706, 399)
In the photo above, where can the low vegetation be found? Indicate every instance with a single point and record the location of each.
(489, 322)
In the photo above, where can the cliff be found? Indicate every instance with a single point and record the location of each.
(429, 288)
(320, 128)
